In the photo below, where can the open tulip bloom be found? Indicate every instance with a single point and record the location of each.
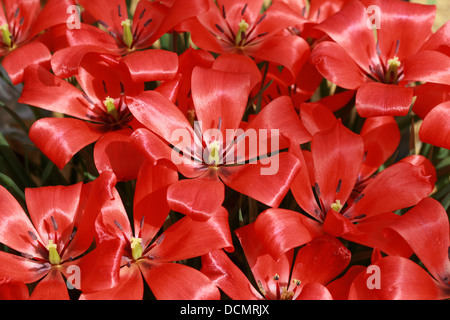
(224, 150)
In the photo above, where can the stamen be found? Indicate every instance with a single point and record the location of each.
(142, 14)
(397, 46)
(317, 189)
(220, 28)
(243, 10)
(338, 189)
(262, 34)
(118, 225)
(147, 22)
(32, 235)
(55, 225)
(224, 15)
(358, 198)
(118, 11)
(261, 19)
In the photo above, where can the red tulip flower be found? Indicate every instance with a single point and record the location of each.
(98, 113)
(327, 189)
(207, 155)
(149, 253)
(21, 23)
(278, 279)
(237, 26)
(56, 239)
(128, 37)
(374, 65)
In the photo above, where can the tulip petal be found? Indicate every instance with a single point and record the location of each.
(375, 99)
(435, 128)
(173, 281)
(61, 138)
(228, 277)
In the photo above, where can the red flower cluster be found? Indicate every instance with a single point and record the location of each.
(241, 149)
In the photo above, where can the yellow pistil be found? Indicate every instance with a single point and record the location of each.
(214, 149)
(393, 65)
(111, 107)
(127, 34)
(243, 26)
(136, 248)
(337, 206)
(53, 255)
(6, 35)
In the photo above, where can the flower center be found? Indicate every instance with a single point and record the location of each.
(53, 255)
(337, 206)
(214, 156)
(391, 75)
(136, 248)
(111, 107)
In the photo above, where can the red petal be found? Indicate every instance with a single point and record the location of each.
(286, 50)
(114, 152)
(337, 154)
(429, 95)
(281, 230)
(314, 291)
(33, 53)
(348, 28)
(199, 198)
(150, 196)
(316, 117)
(100, 194)
(375, 99)
(340, 287)
(399, 279)
(399, 186)
(65, 62)
(108, 12)
(276, 173)
(160, 115)
(428, 66)
(232, 62)
(61, 138)
(21, 269)
(228, 277)
(53, 13)
(173, 281)
(381, 137)
(435, 128)
(152, 65)
(429, 213)
(130, 287)
(227, 92)
(309, 267)
(15, 224)
(99, 269)
(44, 90)
(336, 65)
(61, 204)
(52, 287)
(279, 115)
(13, 290)
(189, 238)
(263, 266)
(402, 17)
